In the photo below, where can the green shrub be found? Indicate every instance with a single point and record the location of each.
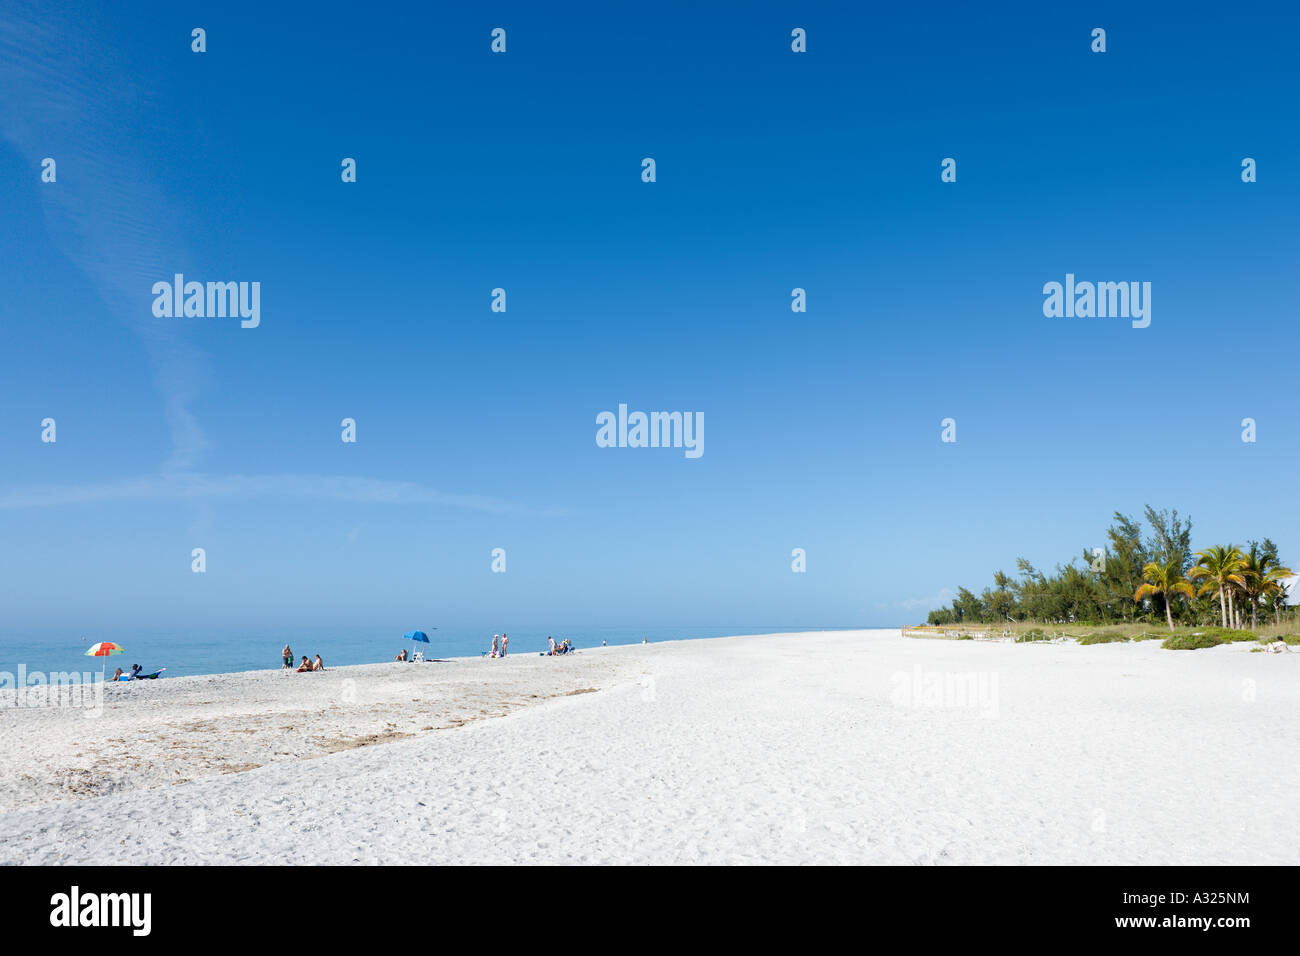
(1104, 637)
(965, 637)
(1227, 635)
(1191, 642)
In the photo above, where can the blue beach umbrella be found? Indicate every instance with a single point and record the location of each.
(414, 636)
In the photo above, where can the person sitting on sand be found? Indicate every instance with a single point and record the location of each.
(1278, 647)
(137, 672)
(319, 665)
(305, 666)
(401, 655)
(286, 655)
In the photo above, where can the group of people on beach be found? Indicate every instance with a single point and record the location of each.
(564, 647)
(306, 665)
(500, 642)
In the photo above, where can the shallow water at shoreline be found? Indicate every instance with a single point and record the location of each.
(196, 651)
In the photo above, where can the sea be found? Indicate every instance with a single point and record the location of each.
(203, 651)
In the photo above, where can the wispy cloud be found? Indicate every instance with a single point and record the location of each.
(108, 213)
(198, 487)
(114, 221)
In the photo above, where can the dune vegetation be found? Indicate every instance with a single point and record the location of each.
(1136, 586)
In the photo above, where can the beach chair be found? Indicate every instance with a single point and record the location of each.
(143, 676)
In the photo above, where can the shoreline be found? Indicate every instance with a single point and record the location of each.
(245, 650)
(171, 731)
(834, 747)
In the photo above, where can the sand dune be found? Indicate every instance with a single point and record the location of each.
(845, 747)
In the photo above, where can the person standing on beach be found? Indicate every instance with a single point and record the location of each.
(286, 656)
(496, 645)
(504, 641)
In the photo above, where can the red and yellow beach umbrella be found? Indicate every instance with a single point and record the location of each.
(103, 649)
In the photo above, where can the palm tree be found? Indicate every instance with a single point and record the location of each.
(1220, 567)
(1165, 579)
(1261, 574)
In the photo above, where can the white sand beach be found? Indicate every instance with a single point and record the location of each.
(828, 747)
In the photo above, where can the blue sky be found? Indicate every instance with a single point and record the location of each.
(476, 430)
